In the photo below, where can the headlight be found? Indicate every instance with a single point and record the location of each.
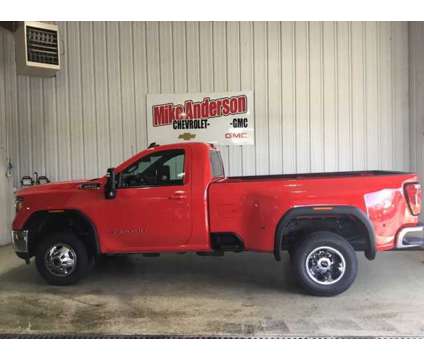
(19, 202)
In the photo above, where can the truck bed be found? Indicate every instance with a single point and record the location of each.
(251, 206)
(317, 175)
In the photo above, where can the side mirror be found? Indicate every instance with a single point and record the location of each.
(110, 186)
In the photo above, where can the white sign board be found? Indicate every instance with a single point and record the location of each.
(219, 118)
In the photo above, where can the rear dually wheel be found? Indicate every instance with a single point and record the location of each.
(324, 263)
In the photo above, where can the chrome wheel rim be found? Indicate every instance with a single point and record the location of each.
(60, 260)
(325, 265)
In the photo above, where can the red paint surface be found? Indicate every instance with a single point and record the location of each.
(154, 219)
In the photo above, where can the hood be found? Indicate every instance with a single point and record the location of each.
(54, 187)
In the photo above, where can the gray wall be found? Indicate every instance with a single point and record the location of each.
(416, 58)
(328, 96)
(8, 121)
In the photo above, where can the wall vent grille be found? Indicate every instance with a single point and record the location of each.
(42, 46)
(37, 49)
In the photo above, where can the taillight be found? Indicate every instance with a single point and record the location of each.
(413, 197)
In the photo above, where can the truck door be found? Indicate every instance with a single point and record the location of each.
(152, 209)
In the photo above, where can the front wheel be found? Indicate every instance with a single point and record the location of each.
(62, 259)
(325, 264)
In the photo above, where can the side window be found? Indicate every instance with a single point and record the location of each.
(216, 164)
(163, 168)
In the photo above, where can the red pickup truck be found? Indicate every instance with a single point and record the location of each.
(176, 198)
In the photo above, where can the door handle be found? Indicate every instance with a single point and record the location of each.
(178, 195)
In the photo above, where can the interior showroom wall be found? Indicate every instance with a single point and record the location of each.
(328, 96)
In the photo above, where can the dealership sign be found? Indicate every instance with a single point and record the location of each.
(220, 118)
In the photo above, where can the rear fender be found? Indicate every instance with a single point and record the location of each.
(320, 211)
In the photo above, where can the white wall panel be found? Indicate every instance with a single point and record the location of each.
(179, 52)
(115, 92)
(140, 83)
(127, 88)
(4, 189)
(234, 82)
(8, 131)
(358, 97)
(220, 59)
(73, 49)
(274, 104)
(90, 156)
(302, 99)
(288, 96)
(260, 49)
(316, 105)
(372, 91)
(101, 95)
(416, 48)
(400, 101)
(247, 83)
(344, 104)
(328, 96)
(386, 121)
(193, 56)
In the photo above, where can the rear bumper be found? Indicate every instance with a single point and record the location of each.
(410, 237)
(20, 243)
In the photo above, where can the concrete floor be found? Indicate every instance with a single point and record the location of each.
(236, 295)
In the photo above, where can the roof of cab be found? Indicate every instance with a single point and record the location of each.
(189, 143)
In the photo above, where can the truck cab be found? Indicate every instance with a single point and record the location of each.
(161, 189)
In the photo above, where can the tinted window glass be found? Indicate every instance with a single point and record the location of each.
(216, 164)
(157, 169)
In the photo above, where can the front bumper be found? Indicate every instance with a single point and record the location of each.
(20, 243)
(410, 237)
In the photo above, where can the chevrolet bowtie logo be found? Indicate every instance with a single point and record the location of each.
(187, 136)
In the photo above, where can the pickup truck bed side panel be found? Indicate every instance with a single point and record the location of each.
(251, 208)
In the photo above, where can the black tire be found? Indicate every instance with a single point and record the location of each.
(81, 260)
(291, 252)
(323, 244)
(92, 261)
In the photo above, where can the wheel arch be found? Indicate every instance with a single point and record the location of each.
(47, 221)
(320, 212)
